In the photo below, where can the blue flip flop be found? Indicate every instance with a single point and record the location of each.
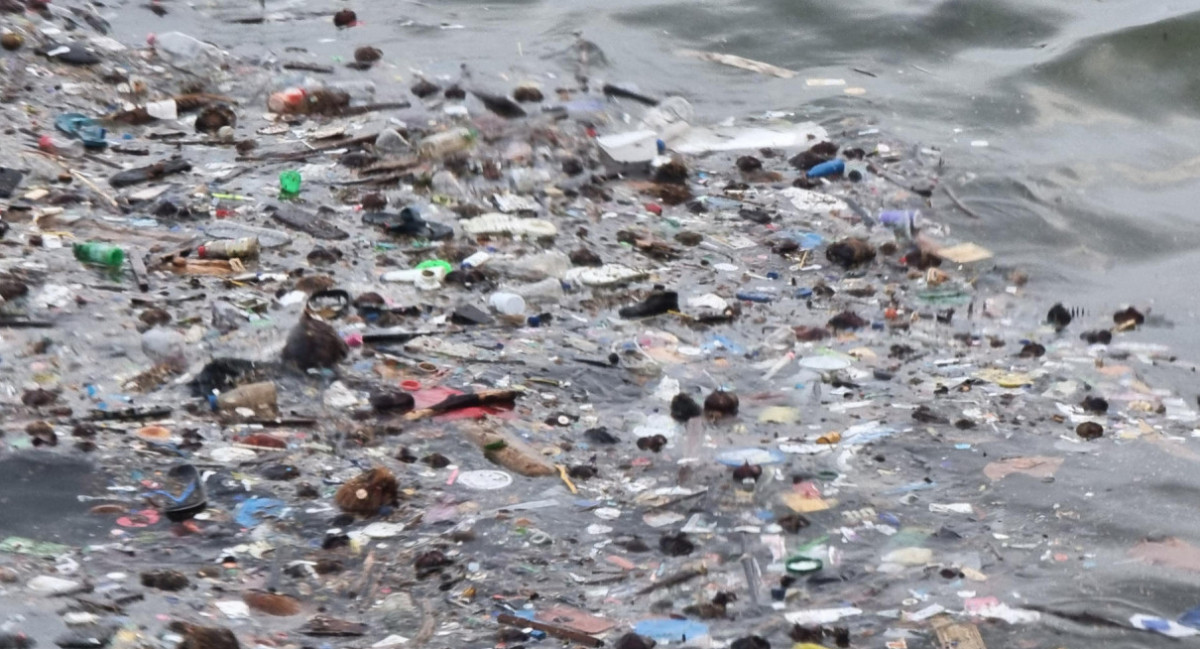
(83, 128)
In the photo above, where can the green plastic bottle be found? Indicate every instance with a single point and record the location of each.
(94, 252)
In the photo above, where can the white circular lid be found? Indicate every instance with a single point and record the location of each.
(484, 479)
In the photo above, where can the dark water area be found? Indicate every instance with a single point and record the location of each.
(39, 498)
(1088, 109)
(1071, 128)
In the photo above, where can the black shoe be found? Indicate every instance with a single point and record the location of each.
(658, 303)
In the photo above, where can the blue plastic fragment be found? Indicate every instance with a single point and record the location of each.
(670, 630)
(1191, 618)
(755, 296)
(249, 512)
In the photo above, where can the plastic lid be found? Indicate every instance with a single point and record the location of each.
(484, 479)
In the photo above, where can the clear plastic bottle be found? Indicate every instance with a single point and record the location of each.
(440, 145)
(244, 248)
(671, 117)
(547, 291)
(184, 51)
(61, 146)
(287, 101)
(262, 398)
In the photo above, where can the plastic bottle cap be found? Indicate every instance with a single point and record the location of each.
(410, 385)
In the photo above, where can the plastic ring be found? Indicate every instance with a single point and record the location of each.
(803, 565)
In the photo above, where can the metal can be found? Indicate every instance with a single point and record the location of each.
(244, 248)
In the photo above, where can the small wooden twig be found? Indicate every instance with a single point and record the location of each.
(958, 203)
(551, 629)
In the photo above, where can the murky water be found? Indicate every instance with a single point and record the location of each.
(1066, 125)
(1089, 110)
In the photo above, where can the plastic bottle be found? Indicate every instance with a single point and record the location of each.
(425, 279)
(440, 145)
(828, 168)
(287, 101)
(389, 140)
(755, 296)
(856, 170)
(507, 303)
(903, 222)
(358, 89)
(94, 252)
(670, 118)
(535, 267)
(267, 238)
(262, 398)
(61, 146)
(476, 260)
(244, 248)
(549, 290)
(184, 51)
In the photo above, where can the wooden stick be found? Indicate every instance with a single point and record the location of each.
(138, 265)
(958, 203)
(551, 629)
(301, 155)
(461, 401)
(675, 579)
(92, 186)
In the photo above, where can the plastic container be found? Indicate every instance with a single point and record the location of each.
(628, 150)
(506, 303)
(267, 238)
(289, 182)
(244, 248)
(440, 145)
(94, 252)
